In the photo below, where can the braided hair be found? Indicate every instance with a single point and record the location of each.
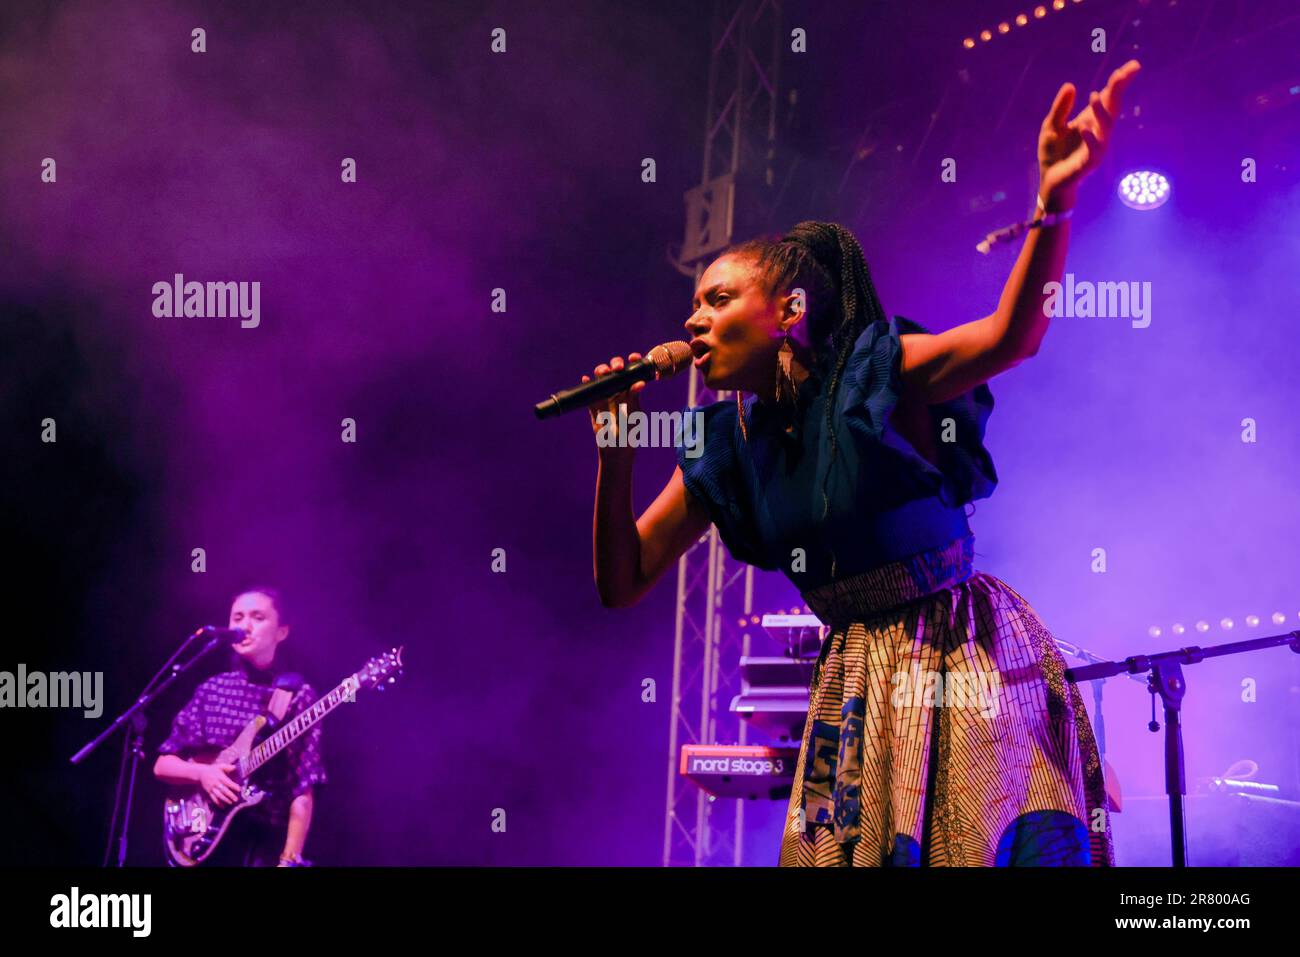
(825, 260)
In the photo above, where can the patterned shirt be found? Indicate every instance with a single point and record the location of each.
(221, 708)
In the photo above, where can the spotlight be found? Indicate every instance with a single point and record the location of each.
(986, 36)
(1178, 629)
(1225, 624)
(1154, 631)
(1202, 626)
(1021, 19)
(1040, 12)
(1252, 620)
(1004, 27)
(968, 43)
(1278, 618)
(1144, 190)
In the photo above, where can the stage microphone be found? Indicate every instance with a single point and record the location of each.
(1232, 786)
(223, 634)
(659, 363)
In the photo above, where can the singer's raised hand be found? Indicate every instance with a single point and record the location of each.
(629, 397)
(1069, 151)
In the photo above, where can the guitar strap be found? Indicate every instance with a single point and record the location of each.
(286, 686)
(280, 699)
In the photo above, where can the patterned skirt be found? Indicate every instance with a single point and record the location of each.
(941, 729)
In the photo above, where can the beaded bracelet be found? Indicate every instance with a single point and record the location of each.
(1015, 230)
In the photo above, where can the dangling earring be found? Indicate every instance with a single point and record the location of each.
(740, 411)
(786, 390)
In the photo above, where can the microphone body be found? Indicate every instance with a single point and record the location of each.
(659, 363)
(223, 634)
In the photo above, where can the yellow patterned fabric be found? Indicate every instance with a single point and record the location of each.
(941, 730)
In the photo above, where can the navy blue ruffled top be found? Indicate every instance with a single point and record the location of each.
(882, 500)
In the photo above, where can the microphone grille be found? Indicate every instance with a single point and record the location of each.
(670, 358)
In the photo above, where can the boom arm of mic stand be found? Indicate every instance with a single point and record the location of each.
(146, 697)
(1167, 680)
(132, 746)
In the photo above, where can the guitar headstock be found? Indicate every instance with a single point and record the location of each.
(381, 671)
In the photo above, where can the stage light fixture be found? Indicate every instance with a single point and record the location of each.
(1144, 190)
(1020, 20)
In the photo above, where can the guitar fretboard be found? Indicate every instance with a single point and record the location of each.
(300, 725)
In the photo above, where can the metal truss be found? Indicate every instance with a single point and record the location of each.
(714, 593)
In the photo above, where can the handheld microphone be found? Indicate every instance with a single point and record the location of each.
(659, 363)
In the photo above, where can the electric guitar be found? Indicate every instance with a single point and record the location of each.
(193, 825)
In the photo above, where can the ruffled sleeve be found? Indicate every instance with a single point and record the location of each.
(714, 475)
(869, 391)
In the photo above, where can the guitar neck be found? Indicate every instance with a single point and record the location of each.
(346, 691)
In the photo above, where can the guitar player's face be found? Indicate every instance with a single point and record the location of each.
(254, 614)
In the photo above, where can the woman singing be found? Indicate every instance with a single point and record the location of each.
(847, 468)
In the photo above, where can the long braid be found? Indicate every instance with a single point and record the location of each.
(825, 259)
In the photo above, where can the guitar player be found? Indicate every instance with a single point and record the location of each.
(274, 831)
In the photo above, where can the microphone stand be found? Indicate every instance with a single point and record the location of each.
(133, 742)
(1166, 679)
